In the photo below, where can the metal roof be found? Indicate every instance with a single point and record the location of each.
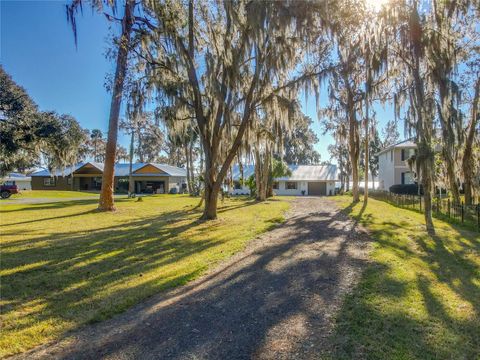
(403, 144)
(299, 173)
(120, 170)
(16, 177)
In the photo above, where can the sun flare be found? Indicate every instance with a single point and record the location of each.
(376, 5)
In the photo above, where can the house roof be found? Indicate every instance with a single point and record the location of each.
(16, 177)
(299, 173)
(401, 145)
(120, 170)
(312, 173)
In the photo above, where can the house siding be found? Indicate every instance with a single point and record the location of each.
(283, 191)
(390, 172)
(61, 183)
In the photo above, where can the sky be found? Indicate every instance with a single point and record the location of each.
(37, 49)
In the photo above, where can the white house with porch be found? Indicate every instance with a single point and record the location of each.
(392, 165)
(313, 180)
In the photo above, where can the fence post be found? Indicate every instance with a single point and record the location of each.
(448, 204)
(420, 202)
(463, 211)
(478, 216)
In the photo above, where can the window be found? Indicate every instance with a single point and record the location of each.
(275, 185)
(407, 153)
(69, 180)
(237, 185)
(391, 155)
(49, 181)
(291, 185)
(407, 178)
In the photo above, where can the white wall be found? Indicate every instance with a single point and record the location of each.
(282, 190)
(386, 170)
(301, 185)
(176, 182)
(24, 184)
(390, 171)
(330, 188)
(243, 191)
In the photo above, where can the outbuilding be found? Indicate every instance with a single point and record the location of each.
(313, 180)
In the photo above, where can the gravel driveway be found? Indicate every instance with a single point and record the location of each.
(275, 300)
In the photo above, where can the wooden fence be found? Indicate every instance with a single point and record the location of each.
(442, 208)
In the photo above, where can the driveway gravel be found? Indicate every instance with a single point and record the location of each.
(274, 300)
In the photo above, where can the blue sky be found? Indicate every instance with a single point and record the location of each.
(37, 49)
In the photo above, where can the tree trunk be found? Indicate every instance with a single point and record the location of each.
(467, 161)
(106, 202)
(427, 182)
(367, 155)
(451, 175)
(131, 183)
(211, 200)
(192, 173)
(354, 148)
(212, 190)
(189, 180)
(262, 172)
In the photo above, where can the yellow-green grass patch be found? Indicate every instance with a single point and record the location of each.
(420, 296)
(64, 264)
(51, 194)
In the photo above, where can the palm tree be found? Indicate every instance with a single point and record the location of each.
(96, 136)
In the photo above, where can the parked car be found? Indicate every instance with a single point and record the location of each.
(6, 190)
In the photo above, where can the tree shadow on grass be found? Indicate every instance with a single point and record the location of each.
(231, 313)
(413, 318)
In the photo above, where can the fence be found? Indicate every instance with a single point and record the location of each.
(441, 207)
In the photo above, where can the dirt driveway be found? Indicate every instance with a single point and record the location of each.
(275, 300)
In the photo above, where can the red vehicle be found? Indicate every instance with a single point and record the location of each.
(7, 189)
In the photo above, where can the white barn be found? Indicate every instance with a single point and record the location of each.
(305, 180)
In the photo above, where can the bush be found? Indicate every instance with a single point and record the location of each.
(405, 189)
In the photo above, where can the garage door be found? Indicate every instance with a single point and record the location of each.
(317, 188)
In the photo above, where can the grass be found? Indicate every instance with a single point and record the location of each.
(420, 296)
(51, 194)
(65, 265)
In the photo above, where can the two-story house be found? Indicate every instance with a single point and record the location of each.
(392, 165)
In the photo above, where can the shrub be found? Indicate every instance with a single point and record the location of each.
(405, 189)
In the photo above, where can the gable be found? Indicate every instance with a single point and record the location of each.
(87, 169)
(149, 169)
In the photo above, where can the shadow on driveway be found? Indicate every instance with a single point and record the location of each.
(274, 300)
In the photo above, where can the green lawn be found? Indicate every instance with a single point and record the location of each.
(419, 297)
(64, 264)
(51, 194)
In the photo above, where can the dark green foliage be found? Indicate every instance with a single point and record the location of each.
(21, 125)
(26, 134)
(405, 189)
(299, 144)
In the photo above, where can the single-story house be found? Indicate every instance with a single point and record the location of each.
(23, 182)
(305, 180)
(148, 177)
(392, 165)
